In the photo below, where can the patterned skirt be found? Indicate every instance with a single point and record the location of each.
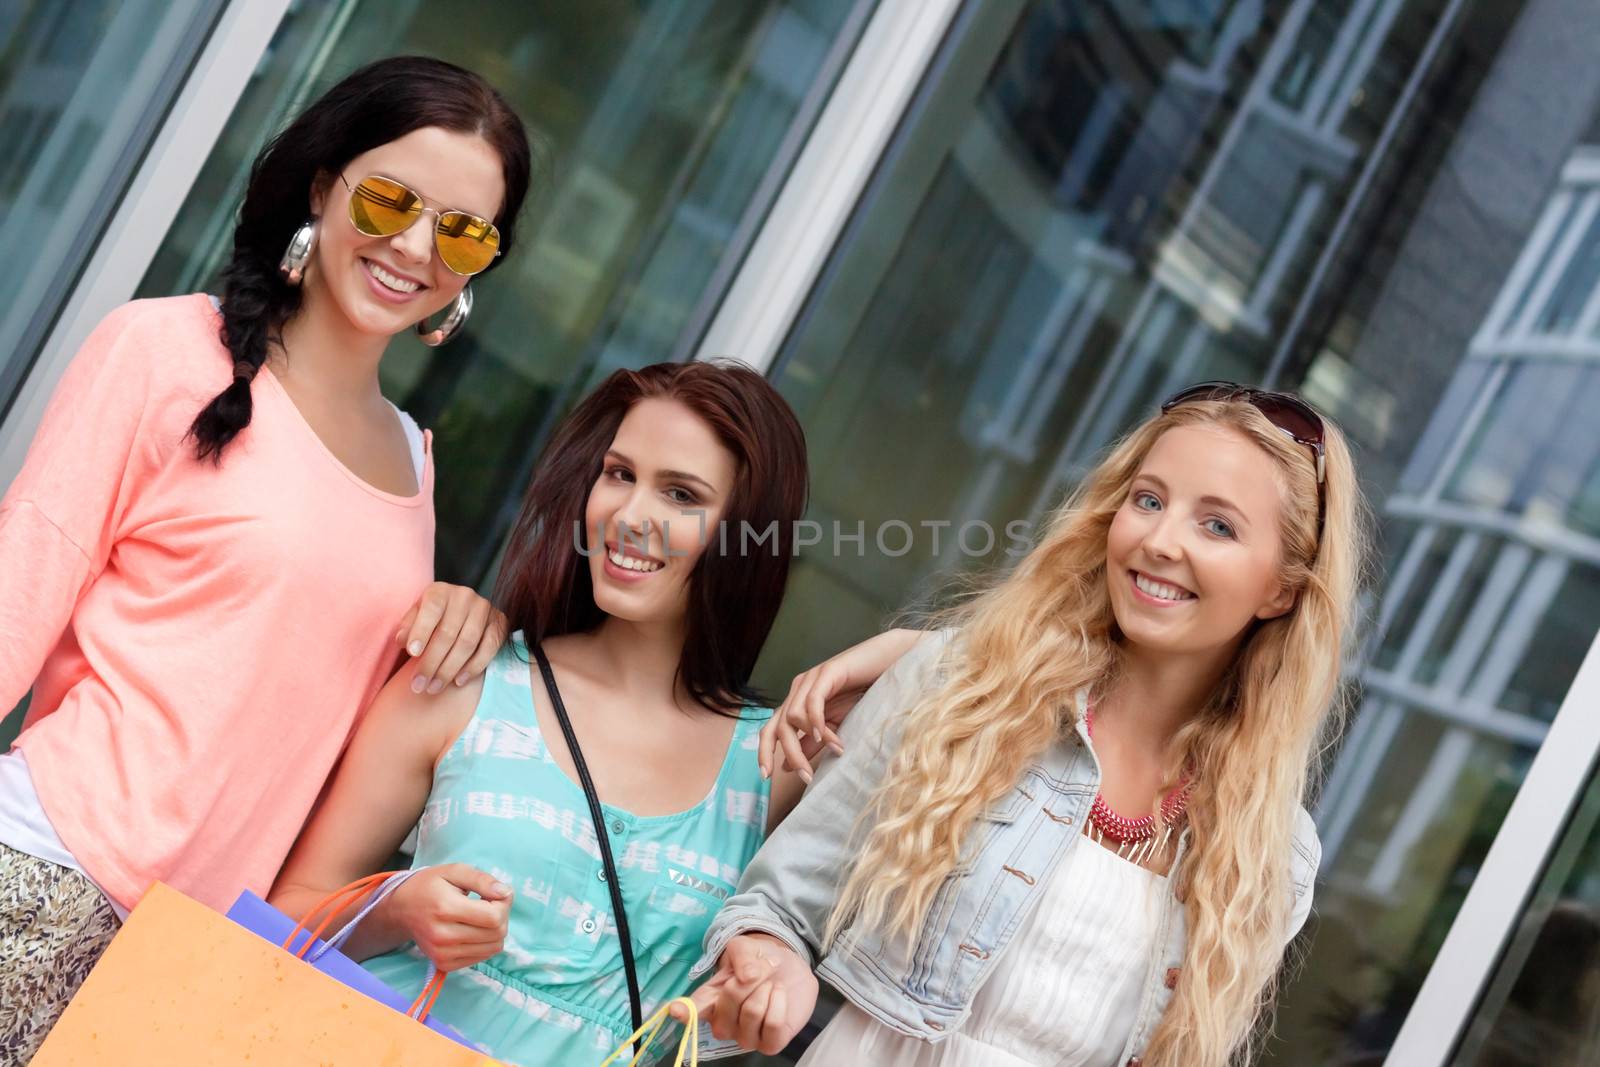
(54, 924)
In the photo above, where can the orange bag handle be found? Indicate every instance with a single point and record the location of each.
(424, 1003)
(335, 902)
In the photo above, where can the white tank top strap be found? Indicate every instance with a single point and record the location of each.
(415, 439)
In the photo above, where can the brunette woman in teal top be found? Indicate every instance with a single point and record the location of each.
(636, 566)
(501, 802)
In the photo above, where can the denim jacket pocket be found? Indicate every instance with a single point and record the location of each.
(990, 823)
(956, 894)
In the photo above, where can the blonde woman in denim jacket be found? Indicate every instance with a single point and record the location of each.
(1068, 829)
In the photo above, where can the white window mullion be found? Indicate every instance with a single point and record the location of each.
(1533, 257)
(1588, 322)
(1510, 872)
(1336, 61)
(1522, 329)
(833, 169)
(1333, 110)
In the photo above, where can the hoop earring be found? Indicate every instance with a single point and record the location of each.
(455, 317)
(293, 264)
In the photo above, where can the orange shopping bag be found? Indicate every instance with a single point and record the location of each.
(181, 985)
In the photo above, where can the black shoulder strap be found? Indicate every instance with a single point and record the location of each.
(599, 818)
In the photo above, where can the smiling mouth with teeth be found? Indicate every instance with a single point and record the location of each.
(633, 563)
(1160, 590)
(390, 281)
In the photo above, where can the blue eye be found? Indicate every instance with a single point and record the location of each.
(1147, 501)
(1219, 528)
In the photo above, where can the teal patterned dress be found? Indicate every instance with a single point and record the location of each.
(556, 995)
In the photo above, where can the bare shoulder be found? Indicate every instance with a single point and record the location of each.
(425, 722)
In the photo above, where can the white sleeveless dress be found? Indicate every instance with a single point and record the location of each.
(1065, 994)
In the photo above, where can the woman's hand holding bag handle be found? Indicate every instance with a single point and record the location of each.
(372, 890)
(646, 1034)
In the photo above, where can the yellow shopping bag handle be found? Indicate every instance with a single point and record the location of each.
(652, 1026)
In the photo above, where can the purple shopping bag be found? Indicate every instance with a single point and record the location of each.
(262, 919)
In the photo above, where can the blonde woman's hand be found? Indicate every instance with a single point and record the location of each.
(820, 698)
(760, 996)
(451, 634)
(436, 909)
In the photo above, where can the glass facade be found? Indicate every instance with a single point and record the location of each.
(84, 85)
(1373, 202)
(668, 127)
(1542, 1008)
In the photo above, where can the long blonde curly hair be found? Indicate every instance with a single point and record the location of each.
(1034, 639)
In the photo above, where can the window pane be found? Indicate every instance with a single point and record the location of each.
(1084, 214)
(1542, 1008)
(667, 121)
(84, 85)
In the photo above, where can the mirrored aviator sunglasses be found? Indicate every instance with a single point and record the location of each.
(383, 207)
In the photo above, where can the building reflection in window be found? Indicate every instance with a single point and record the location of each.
(1542, 1008)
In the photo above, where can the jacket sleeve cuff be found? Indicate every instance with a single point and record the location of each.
(735, 921)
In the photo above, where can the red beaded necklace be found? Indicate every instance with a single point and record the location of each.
(1136, 839)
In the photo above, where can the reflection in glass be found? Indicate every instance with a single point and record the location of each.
(668, 121)
(1096, 203)
(83, 87)
(1542, 1007)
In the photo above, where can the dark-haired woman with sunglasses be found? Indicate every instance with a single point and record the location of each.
(222, 522)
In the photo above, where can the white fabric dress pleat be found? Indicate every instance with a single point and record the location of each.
(1065, 994)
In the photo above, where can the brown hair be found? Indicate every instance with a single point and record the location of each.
(544, 585)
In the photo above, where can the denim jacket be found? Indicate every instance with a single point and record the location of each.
(925, 988)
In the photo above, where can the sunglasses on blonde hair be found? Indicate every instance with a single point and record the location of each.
(1292, 417)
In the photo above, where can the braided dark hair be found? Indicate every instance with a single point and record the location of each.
(379, 103)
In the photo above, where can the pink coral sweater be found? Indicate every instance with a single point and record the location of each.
(200, 638)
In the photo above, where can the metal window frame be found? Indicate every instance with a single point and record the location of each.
(136, 230)
(1511, 872)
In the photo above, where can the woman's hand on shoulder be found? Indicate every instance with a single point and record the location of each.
(821, 698)
(452, 634)
(437, 909)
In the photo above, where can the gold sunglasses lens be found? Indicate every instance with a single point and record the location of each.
(467, 244)
(380, 207)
